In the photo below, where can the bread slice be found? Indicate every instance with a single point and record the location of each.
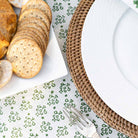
(7, 26)
(5, 72)
(3, 51)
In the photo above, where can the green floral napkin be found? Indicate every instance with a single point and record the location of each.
(37, 112)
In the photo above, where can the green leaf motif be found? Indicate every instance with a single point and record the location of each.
(85, 108)
(78, 135)
(33, 135)
(77, 95)
(49, 85)
(62, 131)
(37, 95)
(45, 127)
(64, 47)
(94, 122)
(58, 116)
(60, 19)
(71, 80)
(69, 103)
(16, 133)
(66, 0)
(70, 10)
(29, 122)
(106, 130)
(9, 101)
(1, 112)
(41, 110)
(13, 117)
(3, 127)
(120, 135)
(64, 87)
(57, 7)
(97, 116)
(136, 3)
(53, 99)
(22, 92)
(25, 105)
(62, 33)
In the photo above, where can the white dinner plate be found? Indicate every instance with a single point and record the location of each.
(53, 67)
(110, 55)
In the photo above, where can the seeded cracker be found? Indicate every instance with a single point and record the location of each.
(26, 58)
(37, 14)
(38, 4)
(36, 21)
(36, 34)
(40, 29)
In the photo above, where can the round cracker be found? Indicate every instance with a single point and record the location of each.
(5, 72)
(36, 21)
(26, 58)
(29, 35)
(22, 36)
(39, 36)
(39, 28)
(38, 4)
(37, 14)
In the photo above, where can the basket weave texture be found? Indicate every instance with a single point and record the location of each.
(81, 80)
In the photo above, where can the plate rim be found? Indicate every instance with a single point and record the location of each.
(82, 82)
(102, 94)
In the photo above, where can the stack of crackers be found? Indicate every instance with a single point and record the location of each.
(29, 44)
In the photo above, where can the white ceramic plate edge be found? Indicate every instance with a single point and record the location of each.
(107, 99)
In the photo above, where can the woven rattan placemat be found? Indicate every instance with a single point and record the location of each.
(80, 78)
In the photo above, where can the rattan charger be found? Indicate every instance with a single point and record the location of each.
(81, 80)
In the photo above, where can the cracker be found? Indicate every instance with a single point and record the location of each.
(39, 28)
(29, 35)
(36, 33)
(22, 36)
(33, 25)
(5, 72)
(37, 14)
(26, 58)
(38, 4)
(36, 21)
